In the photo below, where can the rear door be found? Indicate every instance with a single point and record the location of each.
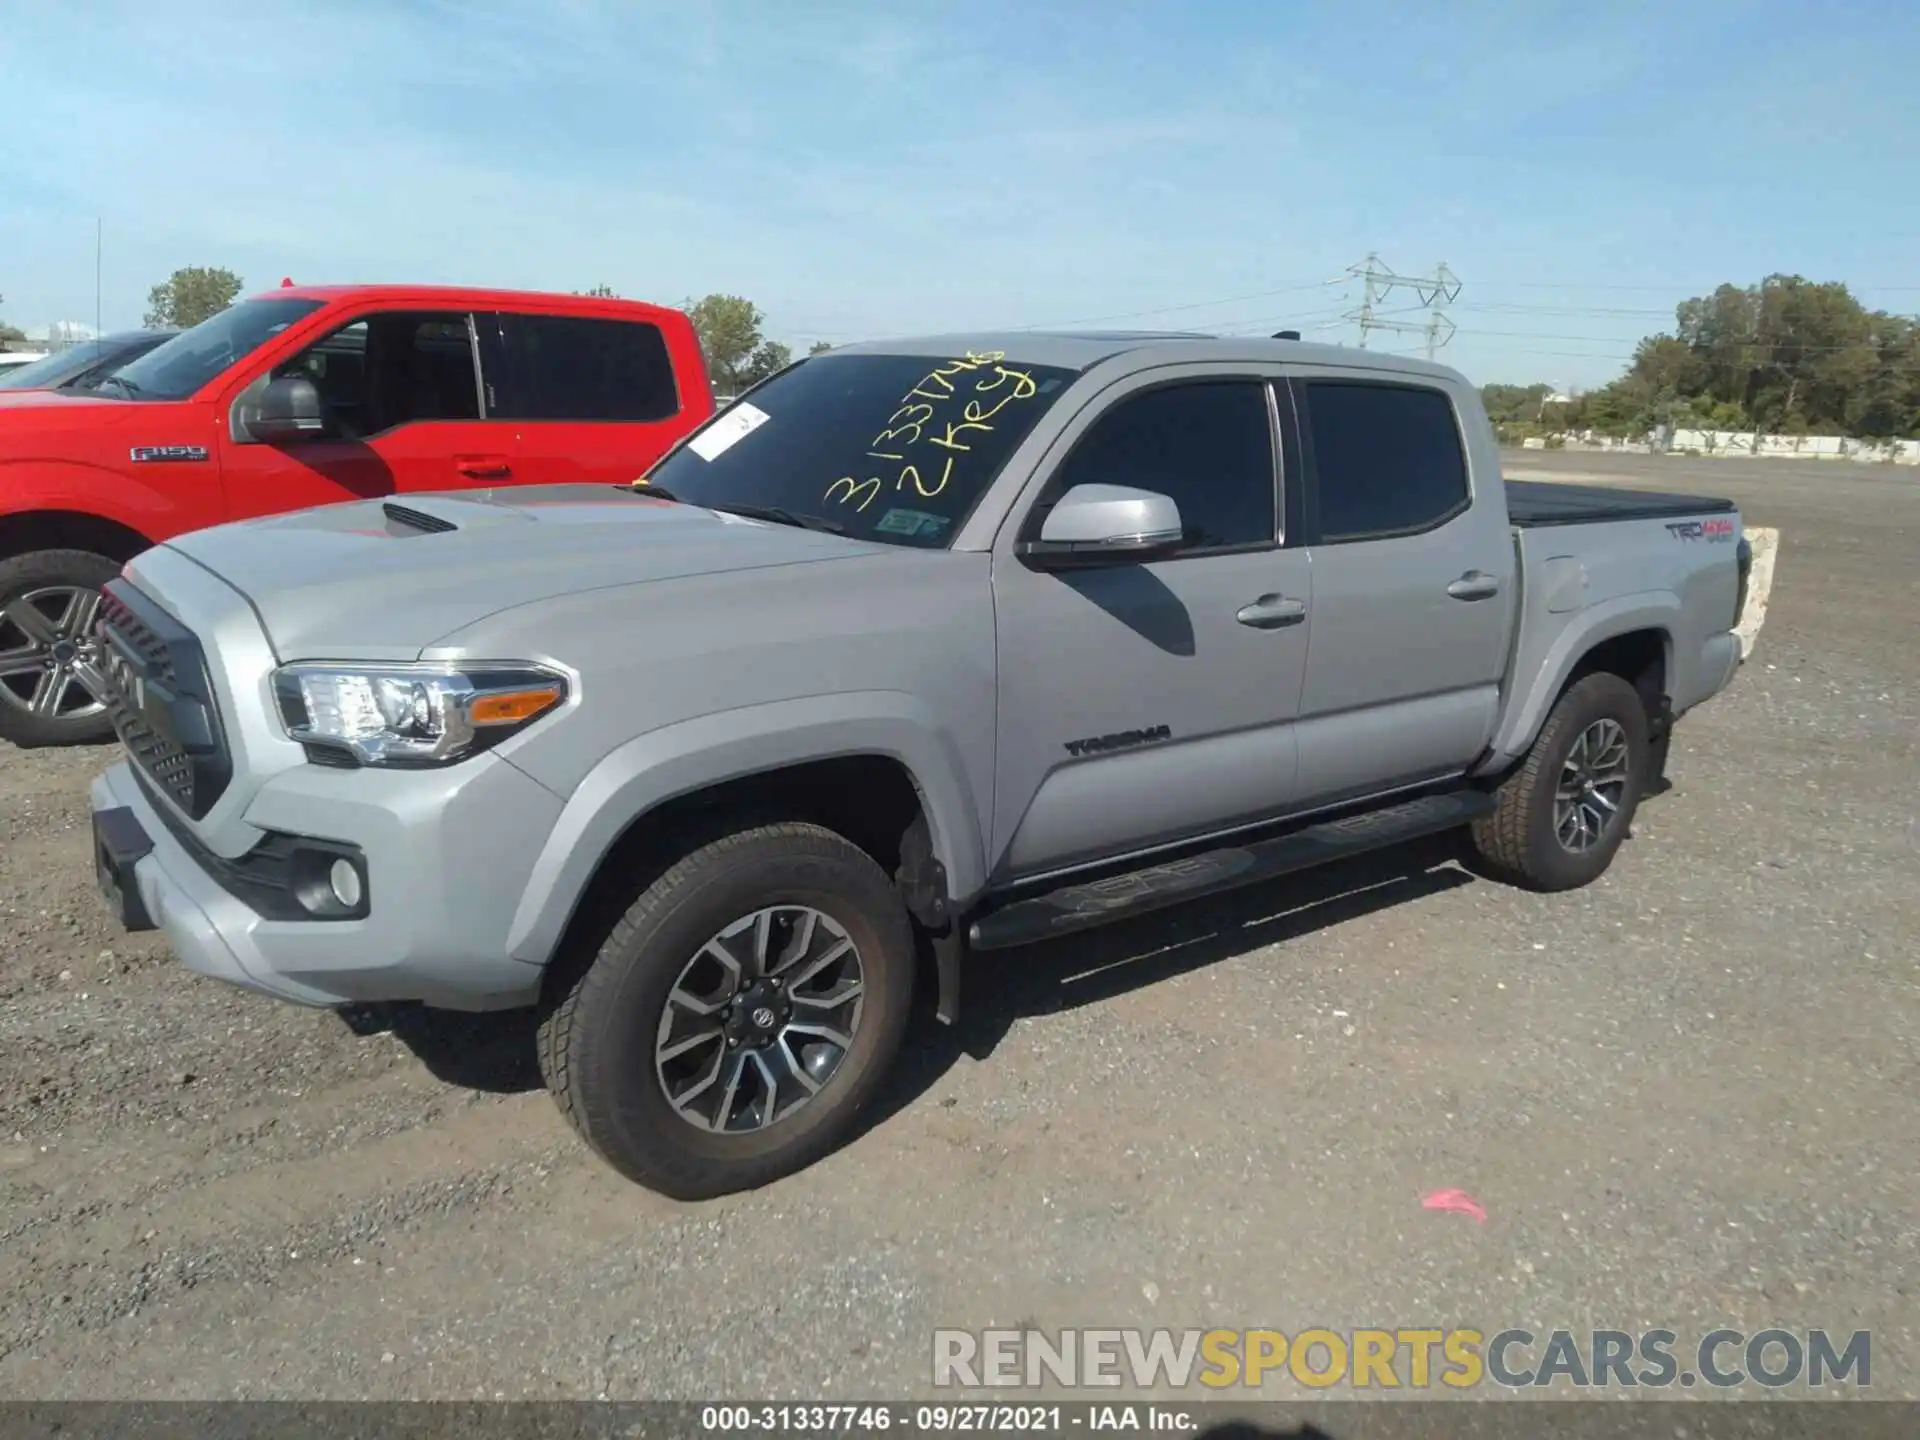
(1411, 587)
(400, 390)
(591, 398)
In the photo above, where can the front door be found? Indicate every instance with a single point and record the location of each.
(1413, 590)
(594, 400)
(400, 391)
(1147, 703)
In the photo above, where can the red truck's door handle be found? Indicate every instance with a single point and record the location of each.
(1475, 585)
(483, 467)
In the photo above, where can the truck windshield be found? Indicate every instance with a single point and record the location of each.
(177, 369)
(50, 370)
(893, 448)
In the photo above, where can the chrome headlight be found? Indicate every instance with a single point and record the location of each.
(411, 715)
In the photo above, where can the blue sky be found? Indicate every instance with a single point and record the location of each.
(869, 169)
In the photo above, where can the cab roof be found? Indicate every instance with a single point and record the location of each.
(457, 295)
(1082, 349)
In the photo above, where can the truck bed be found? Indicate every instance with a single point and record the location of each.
(1534, 503)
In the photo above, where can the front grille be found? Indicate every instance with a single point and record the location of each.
(138, 635)
(152, 679)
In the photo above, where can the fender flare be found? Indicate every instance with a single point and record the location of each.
(99, 492)
(690, 755)
(1527, 711)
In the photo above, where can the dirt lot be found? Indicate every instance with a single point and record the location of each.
(1686, 1097)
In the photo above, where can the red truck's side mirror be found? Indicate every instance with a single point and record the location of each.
(289, 410)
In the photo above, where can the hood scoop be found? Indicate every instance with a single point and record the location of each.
(403, 520)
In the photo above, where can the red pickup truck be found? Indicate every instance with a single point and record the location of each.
(305, 396)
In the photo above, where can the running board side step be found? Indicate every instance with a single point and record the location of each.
(1079, 907)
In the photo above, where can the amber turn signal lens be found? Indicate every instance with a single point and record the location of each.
(511, 707)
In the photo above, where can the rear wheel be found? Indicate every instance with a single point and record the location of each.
(1561, 816)
(741, 1015)
(47, 604)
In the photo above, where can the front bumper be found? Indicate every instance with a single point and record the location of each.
(446, 855)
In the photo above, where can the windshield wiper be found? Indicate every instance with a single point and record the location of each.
(780, 516)
(133, 390)
(658, 492)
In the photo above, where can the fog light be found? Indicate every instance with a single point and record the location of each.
(345, 882)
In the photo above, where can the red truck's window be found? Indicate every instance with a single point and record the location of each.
(194, 357)
(390, 369)
(575, 367)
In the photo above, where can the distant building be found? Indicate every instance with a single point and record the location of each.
(62, 333)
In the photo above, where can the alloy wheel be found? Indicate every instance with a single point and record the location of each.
(42, 632)
(1593, 786)
(760, 1019)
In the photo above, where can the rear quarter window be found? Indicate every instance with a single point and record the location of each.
(1387, 459)
(574, 367)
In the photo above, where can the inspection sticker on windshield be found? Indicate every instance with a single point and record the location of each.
(912, 522)
(728, 431)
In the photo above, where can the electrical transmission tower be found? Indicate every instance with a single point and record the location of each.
(1434, 292)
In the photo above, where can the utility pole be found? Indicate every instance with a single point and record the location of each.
(1433, 291)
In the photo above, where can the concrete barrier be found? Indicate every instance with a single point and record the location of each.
(1765, 543)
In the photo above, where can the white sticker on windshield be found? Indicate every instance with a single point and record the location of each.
(728, 431)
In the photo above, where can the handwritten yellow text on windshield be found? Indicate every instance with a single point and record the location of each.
(917, 448)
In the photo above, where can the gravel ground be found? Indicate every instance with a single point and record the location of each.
(1685, 1097)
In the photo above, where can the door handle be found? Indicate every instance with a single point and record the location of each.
(483, 467)
(1475, 585)
(1270, 612)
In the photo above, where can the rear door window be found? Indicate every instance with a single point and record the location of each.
(1387, 458)
(580, 368)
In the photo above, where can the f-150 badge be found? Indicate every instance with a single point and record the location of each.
(144, 454)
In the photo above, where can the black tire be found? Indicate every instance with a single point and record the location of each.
(597, 1039)
(79, 721)
(1518, 841)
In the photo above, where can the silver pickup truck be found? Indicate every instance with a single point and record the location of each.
(918, 648)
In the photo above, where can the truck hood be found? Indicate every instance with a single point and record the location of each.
(384, 579)
(68, 400)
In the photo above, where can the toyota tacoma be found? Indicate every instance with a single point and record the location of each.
(920, 648)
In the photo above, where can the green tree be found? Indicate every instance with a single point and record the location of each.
(8, 333)
(769, 357)
(1785, 356)
(600, 292)
(737, 353)
(819, 347)
(190, 295)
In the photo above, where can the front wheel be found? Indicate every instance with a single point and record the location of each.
(1561, 816)
(740, 1016)
(47, 603)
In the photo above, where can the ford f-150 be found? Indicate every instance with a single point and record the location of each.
(304, 396)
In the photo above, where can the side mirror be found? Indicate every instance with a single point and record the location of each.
(289, 409)
(1104, 525)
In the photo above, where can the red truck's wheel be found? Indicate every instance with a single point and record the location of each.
(47, 601)
(1561, 816)
(740, 1016)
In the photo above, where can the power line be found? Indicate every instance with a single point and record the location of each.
(1519, 308)
(1195, 305)
(1616, 339)
(1696, 289)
